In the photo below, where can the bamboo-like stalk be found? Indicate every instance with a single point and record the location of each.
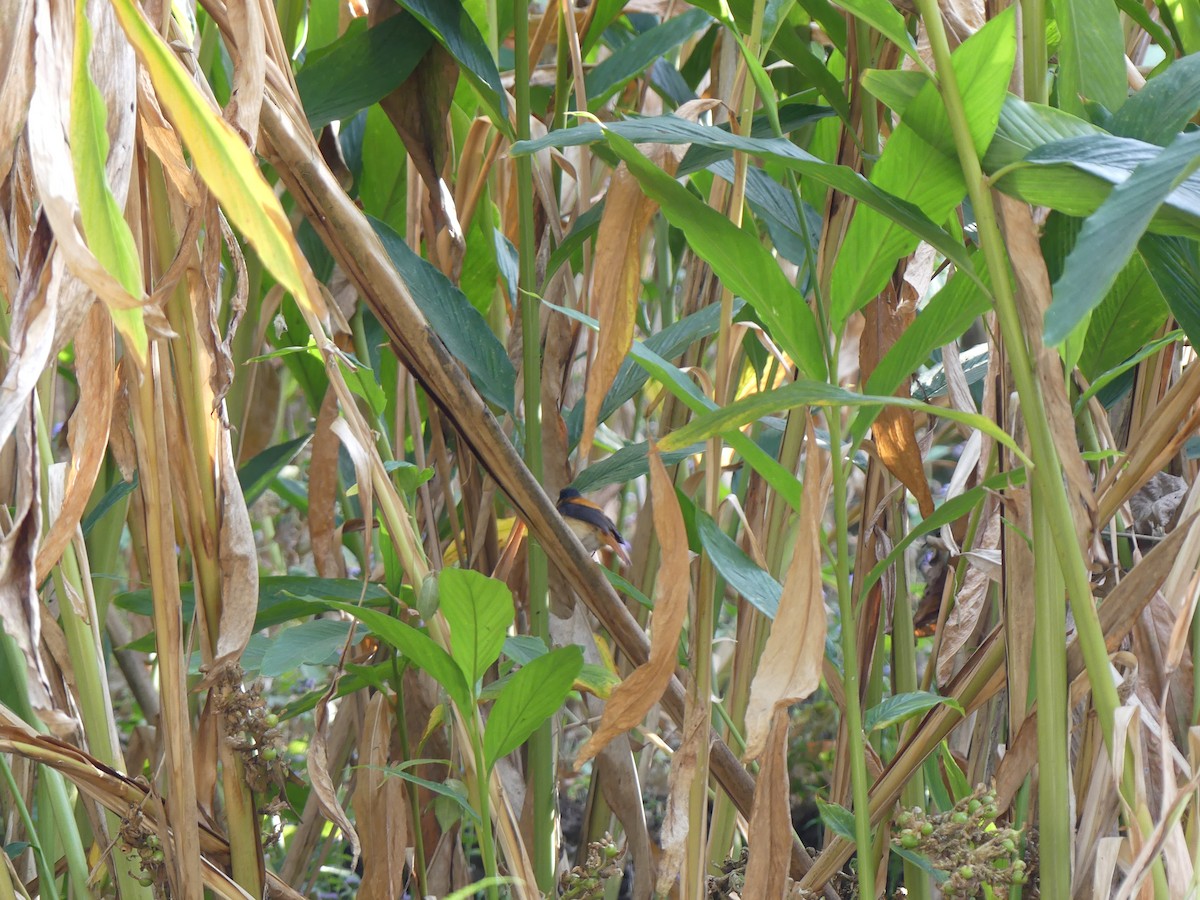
(1046, 475)
(541, 744)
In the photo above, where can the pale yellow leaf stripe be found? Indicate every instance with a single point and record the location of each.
(223, 160)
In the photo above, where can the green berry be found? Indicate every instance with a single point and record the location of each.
(909, 839)
(966, 872)
(926, 829)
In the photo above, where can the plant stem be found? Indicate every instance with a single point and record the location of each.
(541, 744)
(854, 737)
(1046, 477)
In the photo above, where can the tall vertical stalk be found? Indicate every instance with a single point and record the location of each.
(1046, 476)
(541, 745)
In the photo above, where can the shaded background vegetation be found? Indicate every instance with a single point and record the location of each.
(870, 325)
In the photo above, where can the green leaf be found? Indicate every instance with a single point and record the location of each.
(360, 68)
(737, 257)
(920, 164)
(524, 648)
(1111, 235)
(256, 476)
(895, 88)
(534, 694)
(454, 28)
(901, 707)
(407, 476)
(1026, 126)
(460, 325)
(1163, 108)
(1091, 55)
(309, 643)
(111, 498)
(837, 819)
(743, 574)
(451, 790)
(816, 393)
(420, 650)
(1126, 320)
(674, 130)
(1174, 264)
(1076, 176)
(479, 611)
(792, 117)
(630, 462)
(629, 60)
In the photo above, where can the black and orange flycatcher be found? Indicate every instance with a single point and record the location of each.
(593, 528)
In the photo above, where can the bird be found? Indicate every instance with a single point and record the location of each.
(591, 525)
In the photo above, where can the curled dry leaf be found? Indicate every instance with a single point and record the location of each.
(885, 319)
(238, 556)
(970, 600)
(634, 696)
(770, 832)
(87, 433)
(618, 280)
(675, 826)
(790, 667)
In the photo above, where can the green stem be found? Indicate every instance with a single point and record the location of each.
(487, 844)
(1046, 477)
(541, 744)
(854, 737)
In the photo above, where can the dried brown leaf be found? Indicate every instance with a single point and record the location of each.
(634, 696)
(617, 284)
(770, 832)
(87, 432)
(971, 599)
(16, 76)
(381, 803)
(319, 772)
(238, 558)
(885, 319)
(322, 492)
(676, 823)
(790, 667)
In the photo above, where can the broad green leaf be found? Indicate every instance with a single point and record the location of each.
(1174, 264)
(1138, 13)
(1076, 175)
(628, 463)
(1128, 318)
(630, 60)
(360, 68)
(900, 707)
(1091, 55)
(743, 574)
(454, 28)
(773, 204)
(479, 611)
(737, 257)
(920, 164)
(1026, 126)
(1185, 21)
(895, 88)
(459, 324)
(534, 694)
(224, 162)
(816, 393)
(1147, 350)
(799, 52)
(792, 116)
(674, 130)
(317, 642)
(107, 233)
(281, 598)
(885, 19)
(1111, 235)
(420, 650)
(1161, 109)
(256, 475)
